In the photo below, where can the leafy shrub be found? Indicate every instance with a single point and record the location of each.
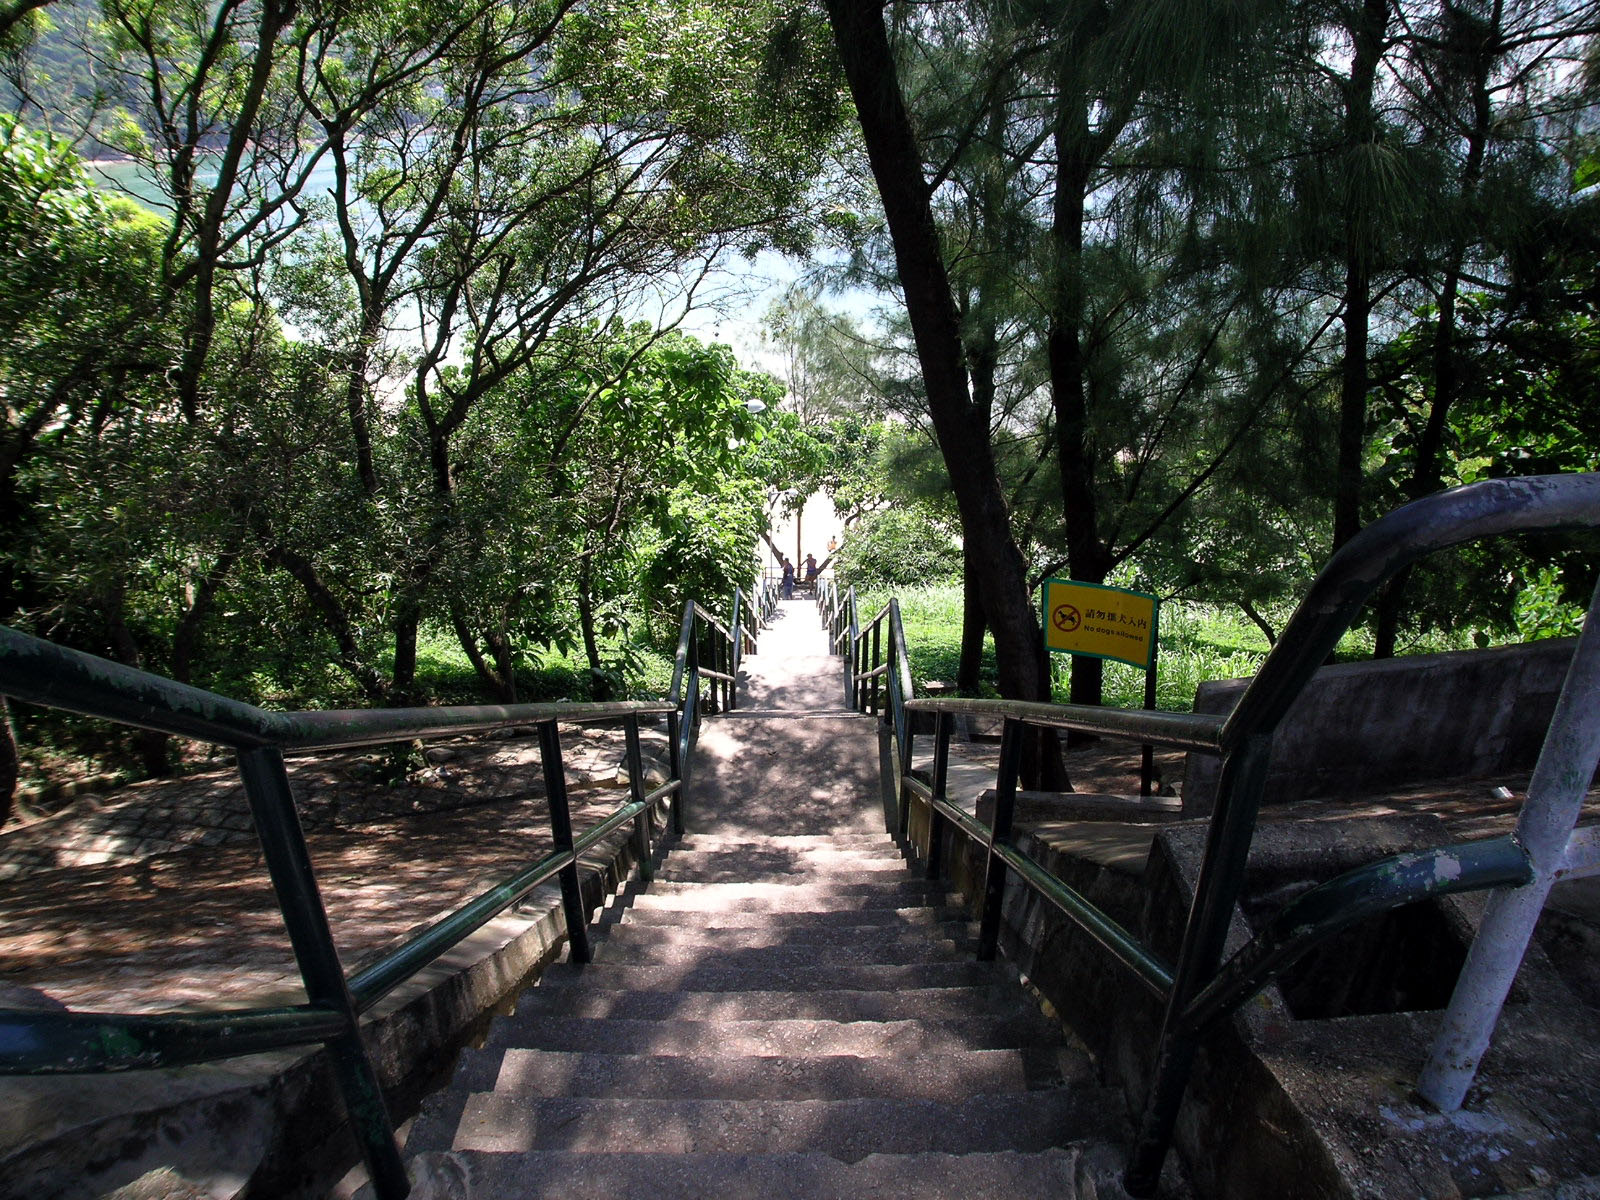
(906, 546)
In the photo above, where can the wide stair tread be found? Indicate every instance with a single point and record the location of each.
(847, 1129)
(712, 1039)
(920, 917)
(788, 898)
(564, 1175)
(704, 977)
(726, 869)
(515, 1070)
(838, 1005)
(773, 842)
(954, 936)
(887, 952)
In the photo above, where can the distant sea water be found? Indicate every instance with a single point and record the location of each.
(135, 181)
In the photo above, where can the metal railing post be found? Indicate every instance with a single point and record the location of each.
(689, 727)
(636, 789)
(994, 875)
(877, 659)
(940, 790)
(852, 654)
(1554, 803)
(555, 783)
(675, 766)
(283, 846)
(1244, 774)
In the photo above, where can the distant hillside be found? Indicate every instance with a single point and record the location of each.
(61, 82)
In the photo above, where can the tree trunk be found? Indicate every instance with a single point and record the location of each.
(358, 394)
(335, 618)
(505, 662)
(1361, 130)
(973, 627)
(1352, 404)
(591, 643)
(1427, 474)
(186, 637)
(153, 748)
(896, 162)
(10, 762)
(403, 681)
(1087, 560)
(498, 686)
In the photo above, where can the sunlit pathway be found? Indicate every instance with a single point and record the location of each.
(786, 1011)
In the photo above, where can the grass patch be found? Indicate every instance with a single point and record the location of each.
(1198, 642)
(544, 674)
(55, 746)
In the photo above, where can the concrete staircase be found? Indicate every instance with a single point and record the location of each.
(786, 1011)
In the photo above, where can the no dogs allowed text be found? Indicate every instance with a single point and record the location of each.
(1104, 622)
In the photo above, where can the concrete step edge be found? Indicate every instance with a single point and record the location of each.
(849, 1130)
(1081, 1170)
(921, 917)
(798, 1037)
(873, 953)
(810, 979)
(948, 1076)
(856, 1004)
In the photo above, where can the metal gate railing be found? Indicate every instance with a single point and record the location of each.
(1200, 990)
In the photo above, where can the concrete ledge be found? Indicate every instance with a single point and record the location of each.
(1362, 727)
(1317, 1108)
(272, 1125)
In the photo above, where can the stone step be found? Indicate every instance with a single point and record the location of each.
(848, 1130)
(1070, 1173)
(768, 1038)
(727, 842)
(702, 977)
(926, 1003)
(516, 1070)
(777, 859)
(822, 889)
(868, 844)
(732, 871)
(952, 934)
(866, 951)
(917, 919)
(841, 898)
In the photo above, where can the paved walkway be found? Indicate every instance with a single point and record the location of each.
(791, 759)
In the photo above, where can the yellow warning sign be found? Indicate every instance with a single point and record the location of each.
(1103, 622)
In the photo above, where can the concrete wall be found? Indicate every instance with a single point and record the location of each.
(1361, 727)
(1282, 1106)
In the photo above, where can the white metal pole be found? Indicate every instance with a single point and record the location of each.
(1555, 800)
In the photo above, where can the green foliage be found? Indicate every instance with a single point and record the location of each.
(931, 614)
(904, 546)
(1541, 612)
(368, 381)
(706, 549)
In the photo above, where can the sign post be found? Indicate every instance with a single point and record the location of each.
(1106, 622)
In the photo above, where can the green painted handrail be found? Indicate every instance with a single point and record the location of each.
(40, 672)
